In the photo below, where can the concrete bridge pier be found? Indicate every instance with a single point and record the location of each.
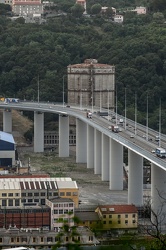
(81, 141)
(97, 152)
(116, 166)
(63, 136)
(105, 158)
(135, 179)
(158, 195)
(90, 146)
(7, 121)
(38, 132)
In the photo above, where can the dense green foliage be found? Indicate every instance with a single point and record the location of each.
(137, 49)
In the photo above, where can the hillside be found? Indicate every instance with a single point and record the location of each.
(20, 124)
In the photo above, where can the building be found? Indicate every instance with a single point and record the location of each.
(88, 218)
(91, 84)
(7, 150)
(27, 7)
(118, 18)
(62, 211)
(140, 10)
(83, 4)
(27, 217)
(34, 191)
(123, 218)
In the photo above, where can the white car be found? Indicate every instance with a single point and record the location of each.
(131, 136)
(153, 151)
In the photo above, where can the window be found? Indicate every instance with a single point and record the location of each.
(17, 202)
(90, 238)
(119, 216)
(57, 239)
(60, 205)
(110, 222)
(18, 240)
(75, 193)
(49, 239)
(104, 216)
(70, 204)
(60, 211)
(12, 240)
(30, 194)
(41, 239)
(36, 194)
(66, 205)
(134, 216)
(126, 221)
(55, 211)
(55, 194)
(24, 239)
(10, 194)
(104, 222)
(34, 239)
(55, 205)
(62, 193)
(0, 240)
(134, 221)
(110, 216)
(43, 194)
(67, 238)
(17, 194)
(119, 222)
(3, 202)
(4, 194)
(30, 200)
(65, 211)
(23, 194)
(126, 215)
(10, 202)
(68, 193)
(36, 200)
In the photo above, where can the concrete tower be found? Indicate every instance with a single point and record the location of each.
(91, 84)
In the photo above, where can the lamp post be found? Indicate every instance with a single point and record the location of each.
(38, 86)
(81, 95)
(160, 124)
(108, 104)
(135, 113)
(63, 90)
(116, 107)
(147, 119)
(125, 109)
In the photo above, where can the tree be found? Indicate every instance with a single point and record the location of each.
(77, 10)
(96, 9)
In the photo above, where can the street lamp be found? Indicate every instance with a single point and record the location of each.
(108, 104)
(135, 113)
(147, 119)
(63, 90)
(116, 107)
(125, 109)
(38, 89)
(81, 95)
(160, 124)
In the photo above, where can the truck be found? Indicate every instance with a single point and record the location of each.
(160, 152)
(89, 114)
(115, 128)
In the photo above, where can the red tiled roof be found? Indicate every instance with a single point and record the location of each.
(117, 209)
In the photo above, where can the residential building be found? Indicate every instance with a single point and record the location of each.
(119, 217)
(33, 191)
(140, 10)
(118, 18)
(91, 84)
(83, 4)
(27, 7)
(88, 218)
(62, 211)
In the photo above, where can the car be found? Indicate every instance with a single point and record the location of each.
(157, 138)
(67, 106)
(150, 139)
(131, 136)
(153, 151)
(144, 136)
(50, 107)
(120, 130)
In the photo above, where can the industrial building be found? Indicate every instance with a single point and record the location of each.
(91, 84)
(7, 150)
(22, 191)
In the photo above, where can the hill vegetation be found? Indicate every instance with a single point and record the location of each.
(137, 48)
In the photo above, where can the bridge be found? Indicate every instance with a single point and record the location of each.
(102, 149)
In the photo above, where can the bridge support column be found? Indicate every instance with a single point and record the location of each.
(38, 132)
(90, 146)
(7, 121)
(116, 166)
(81, 142)
(105, 158)
(158, 194)
(135, 179)
(97, 152)
(63, 136)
